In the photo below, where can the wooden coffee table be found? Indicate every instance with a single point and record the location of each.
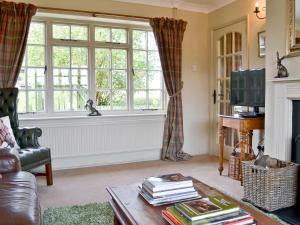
(131, 209)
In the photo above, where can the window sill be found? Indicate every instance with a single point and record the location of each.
(66, 117)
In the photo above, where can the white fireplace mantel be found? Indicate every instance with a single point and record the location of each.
(285, 91)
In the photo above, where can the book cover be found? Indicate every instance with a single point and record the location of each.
(170, 218)
(168, 180)
(167, 200)
(235, 216)
(206, 207)
(245, 221)
(168, 192)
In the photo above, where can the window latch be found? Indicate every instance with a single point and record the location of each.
(45, 70)
(133, 72)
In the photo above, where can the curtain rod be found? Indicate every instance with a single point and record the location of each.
(94, 14)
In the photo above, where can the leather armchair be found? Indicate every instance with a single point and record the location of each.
(32, 155)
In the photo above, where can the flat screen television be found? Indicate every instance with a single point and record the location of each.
(247, 88)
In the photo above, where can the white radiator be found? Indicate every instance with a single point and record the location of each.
(91, 141)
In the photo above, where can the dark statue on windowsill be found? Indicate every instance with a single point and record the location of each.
(281, 69)
(93, 111)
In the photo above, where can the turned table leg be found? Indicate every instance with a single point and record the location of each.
(244, 141)
(221, 150)
(249, 144)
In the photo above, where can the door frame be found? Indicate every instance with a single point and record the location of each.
(213, 83)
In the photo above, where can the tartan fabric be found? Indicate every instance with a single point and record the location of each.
(169, 36)
(14, 27)
(3, 132)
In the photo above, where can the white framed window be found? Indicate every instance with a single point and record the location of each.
(68, 62)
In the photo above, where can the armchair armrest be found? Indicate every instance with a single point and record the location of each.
(9, 162)
(28, 136)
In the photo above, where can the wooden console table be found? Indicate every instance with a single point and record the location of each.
(245, 126)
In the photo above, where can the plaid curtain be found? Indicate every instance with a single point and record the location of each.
(14, 27)
(169, 36)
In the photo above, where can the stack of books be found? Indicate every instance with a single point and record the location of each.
(167, 189)
(207, 211)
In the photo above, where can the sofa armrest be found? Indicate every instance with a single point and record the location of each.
(8, 162)
(28, 136)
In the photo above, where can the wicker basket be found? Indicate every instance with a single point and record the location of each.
(235, 166)
(270, 189)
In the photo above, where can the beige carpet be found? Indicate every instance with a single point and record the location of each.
(82, 186)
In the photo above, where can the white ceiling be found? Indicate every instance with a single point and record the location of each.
(204, 6)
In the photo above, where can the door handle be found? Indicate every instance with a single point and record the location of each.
(215, 96)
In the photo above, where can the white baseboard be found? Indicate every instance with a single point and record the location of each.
(105, 159)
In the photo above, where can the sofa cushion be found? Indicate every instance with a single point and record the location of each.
(19, 201)
(32, 157)
(7, 138)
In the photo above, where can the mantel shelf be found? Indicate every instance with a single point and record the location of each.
(282, 80)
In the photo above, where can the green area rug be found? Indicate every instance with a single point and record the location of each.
(91, 214)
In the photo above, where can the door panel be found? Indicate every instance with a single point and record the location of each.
(229, 54)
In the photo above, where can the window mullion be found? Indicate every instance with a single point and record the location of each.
(130, 86)
(92, 66)
(50, 87)
(70, 79)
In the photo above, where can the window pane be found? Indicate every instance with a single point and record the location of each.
(154, 80)
(154, 99)
(151, 42)
(36, 101)
(102, 57)
(139, 39)
(79, 33)
(35, 78)
(102, 34)
(61, 78)
(61, 31)
(139, 79)
(119, 100)
(80, 57)
(79, 98)
(139, 59)
(79, 78)
(119, 79)
(21, 83)
(119, 59)
(103, 99)
(139, 99)
(36, 33)
(61, 56)
(102, 79)
(153, 61)
(62, 101)
(119, 35)
(36, 55)
(22, 102)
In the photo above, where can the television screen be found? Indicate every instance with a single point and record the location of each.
(247, 88)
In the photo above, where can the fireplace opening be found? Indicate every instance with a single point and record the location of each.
(296, 132)
(296, 139)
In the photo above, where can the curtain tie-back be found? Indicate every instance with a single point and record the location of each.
(177, 92)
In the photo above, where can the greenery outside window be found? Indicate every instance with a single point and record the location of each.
(66, 63)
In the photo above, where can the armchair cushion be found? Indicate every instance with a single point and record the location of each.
(28, 136)
(8, 162)
(33, 157)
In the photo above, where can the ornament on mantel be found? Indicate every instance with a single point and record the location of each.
(281, 69)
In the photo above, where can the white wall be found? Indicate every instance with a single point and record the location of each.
(276, 41)
(196, 83)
